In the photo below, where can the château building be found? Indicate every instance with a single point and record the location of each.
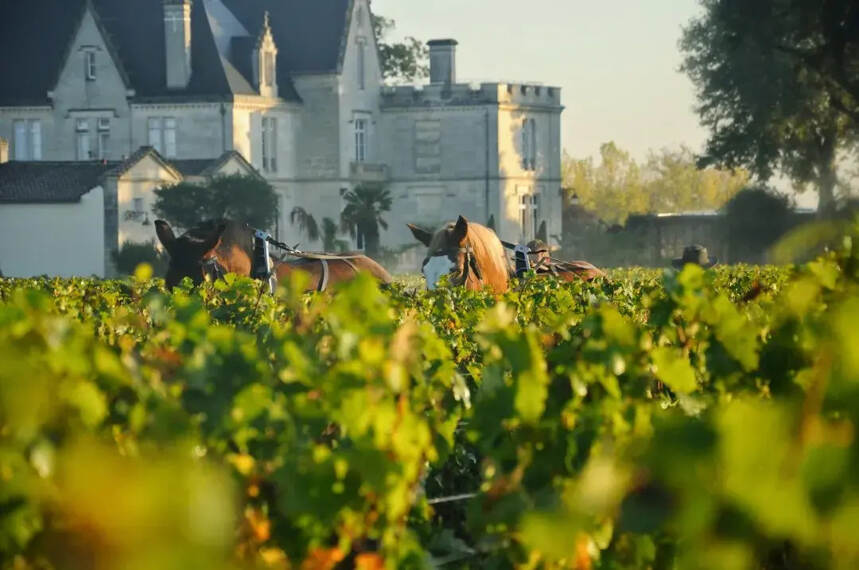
(292, 86)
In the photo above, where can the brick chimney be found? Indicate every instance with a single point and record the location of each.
(177, 42)
(4, 150)
(442, 61)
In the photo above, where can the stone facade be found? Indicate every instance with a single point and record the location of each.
(489, 151)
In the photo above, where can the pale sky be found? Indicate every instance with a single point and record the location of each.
(616, 60)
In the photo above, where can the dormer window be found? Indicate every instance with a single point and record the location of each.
(89, 65)
(362, 63)
(265, 61)
(268, 69)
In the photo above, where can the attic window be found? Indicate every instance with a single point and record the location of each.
(268, 69)
(89, 65)
(362, 63)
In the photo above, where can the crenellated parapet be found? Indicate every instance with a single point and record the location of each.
(459, 94)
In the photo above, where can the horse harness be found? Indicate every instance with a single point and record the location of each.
(212, 269)
(469, 265)
(262, 267)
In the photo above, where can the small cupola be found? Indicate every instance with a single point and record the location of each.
(265, 61)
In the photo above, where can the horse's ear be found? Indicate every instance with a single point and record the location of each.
(460, 230)
(165, 235)
(420, 234)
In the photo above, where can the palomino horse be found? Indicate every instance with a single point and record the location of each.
(471, 254)
(544, 265)
(214, 248)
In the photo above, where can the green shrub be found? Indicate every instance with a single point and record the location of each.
(132, 254)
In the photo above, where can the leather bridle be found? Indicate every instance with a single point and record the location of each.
(212, 268)
(469, 264)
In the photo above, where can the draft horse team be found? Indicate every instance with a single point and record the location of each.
(469, 254)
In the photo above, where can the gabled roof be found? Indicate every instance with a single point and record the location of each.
(182, 167)
(35, 36)
(211, 166)
(49, 182)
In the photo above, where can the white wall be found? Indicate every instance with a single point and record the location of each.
(140, 181)
(65, 240)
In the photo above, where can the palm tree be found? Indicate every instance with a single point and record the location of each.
(306, 223)
(362, 215)
(330, 242)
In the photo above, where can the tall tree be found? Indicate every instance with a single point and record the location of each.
(404, 61)
(766, 109)
(248, 199)
(306, 223)
(675, 183)
(362, 215)
(328, 232)
(668, 181)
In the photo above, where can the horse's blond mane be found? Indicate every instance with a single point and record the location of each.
(488, 252)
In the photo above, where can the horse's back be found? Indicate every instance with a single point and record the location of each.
(572, 270)
(371, 266)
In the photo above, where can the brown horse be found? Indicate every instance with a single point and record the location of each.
(568, 271)
(471, 254)
(214, 248)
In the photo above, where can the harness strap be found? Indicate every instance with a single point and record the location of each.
(348, 262)
(323, 279)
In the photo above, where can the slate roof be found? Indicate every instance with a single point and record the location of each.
(309, 33)
(35, 35)
(43, 182)
(49, 182)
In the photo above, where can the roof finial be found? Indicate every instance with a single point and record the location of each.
(266, 24)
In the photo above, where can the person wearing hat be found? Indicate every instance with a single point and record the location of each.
(539, 252)
(696, 255)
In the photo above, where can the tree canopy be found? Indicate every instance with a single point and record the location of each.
(404, 61)
(238, 197)
(668, 181)
(776, 83)
(754, 219)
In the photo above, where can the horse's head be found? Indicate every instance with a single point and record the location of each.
(193, 254)
(448, 253)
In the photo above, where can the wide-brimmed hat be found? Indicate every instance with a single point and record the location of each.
(539, 246)
(697, 255)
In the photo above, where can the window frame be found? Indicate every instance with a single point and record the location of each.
(269, 144)
(154, 125)
(362, 63)
(83, 144)
(102, 137)
(529, 145)
(20, 139)
(89, 65)
(26, 140)
(268, 68)
(170, 130)
(529, 214)
(360, 128)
